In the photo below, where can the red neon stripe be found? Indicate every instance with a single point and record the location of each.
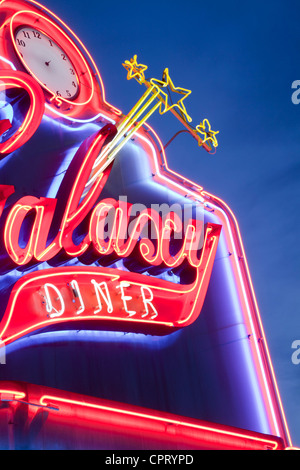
(137, 421)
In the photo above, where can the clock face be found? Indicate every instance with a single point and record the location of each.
(47, 62)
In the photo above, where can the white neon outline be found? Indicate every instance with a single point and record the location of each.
(49, 305)
(75, 286)
(121, 286)
(8, 62)
(147, 301)
(83, 121)
(106, 298)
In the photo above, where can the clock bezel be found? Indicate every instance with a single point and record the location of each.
(74, 96)
(84, 75)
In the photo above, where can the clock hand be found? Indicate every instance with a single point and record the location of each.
(47, 63)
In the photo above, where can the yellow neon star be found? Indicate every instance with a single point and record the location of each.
(208, 133)
(135, 70)
(165, 83)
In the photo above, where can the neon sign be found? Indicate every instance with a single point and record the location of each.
(75, 254)
(186, 298)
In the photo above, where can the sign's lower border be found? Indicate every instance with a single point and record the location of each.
(61, 415)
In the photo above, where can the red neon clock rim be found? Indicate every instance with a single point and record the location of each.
(51, 29)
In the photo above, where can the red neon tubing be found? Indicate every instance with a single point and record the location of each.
(32, 120)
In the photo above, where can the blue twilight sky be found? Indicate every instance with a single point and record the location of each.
(240, 60)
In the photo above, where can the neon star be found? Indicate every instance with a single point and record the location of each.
(135, 70)
(166, 82)
(208, 133)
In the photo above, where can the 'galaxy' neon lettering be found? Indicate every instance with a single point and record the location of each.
(154, 250)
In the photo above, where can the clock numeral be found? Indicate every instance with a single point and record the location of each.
(72, 72)
(26, 34)
(68, 94)
(36, 34)
(74, 84)
(58, 93)
(51, 44)
(21, 42)
(63, 56)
